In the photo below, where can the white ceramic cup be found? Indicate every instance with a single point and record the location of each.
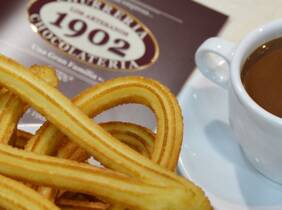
(258, 132)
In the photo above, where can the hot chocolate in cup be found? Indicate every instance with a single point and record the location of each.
(257, 128)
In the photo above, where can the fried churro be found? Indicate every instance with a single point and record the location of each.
(82, 204)
(100, 98)
(136, 182)
(12, 107)
(80, 201)
(22, 137)
(107, 185)
(16, 196)
(137, 137)
(103, 96)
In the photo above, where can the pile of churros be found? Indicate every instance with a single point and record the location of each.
(48, 170)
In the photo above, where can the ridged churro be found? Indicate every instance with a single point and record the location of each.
(82, 204)
(119, 91)
(140, 138)
(137, 137)
(135, 181)
(16, 196)
(22, 137)
(97, 99)
(80, 201)
(12, 107)
(107, 185)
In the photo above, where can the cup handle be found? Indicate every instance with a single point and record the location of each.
(213, 59)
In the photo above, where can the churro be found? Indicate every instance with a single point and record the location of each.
(136, 182)
(16, 196)
(107, 185)
(12, 107)
(97, 99)
(82, 204)
(80, 201)
(137, 137)
(119, 91)
(22, 137)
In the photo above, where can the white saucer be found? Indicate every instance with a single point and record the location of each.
(211, 157)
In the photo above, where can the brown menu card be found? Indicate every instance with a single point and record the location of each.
(90, 41)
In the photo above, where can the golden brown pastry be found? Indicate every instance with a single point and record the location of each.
(134, 181)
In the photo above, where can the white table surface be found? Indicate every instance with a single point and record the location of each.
(244, 15)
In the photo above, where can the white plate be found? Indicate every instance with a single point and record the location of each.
(211, 157)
